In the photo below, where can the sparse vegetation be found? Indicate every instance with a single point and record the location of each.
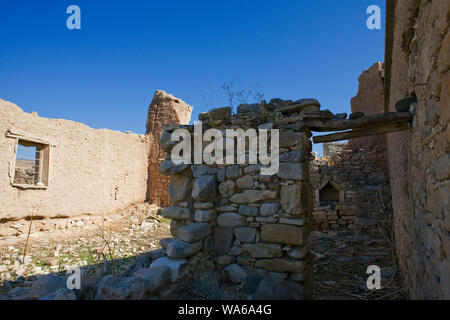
(232, 94)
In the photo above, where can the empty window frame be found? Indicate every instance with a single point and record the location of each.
(31, 164)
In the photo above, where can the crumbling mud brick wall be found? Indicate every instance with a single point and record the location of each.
(369, 100)
(351, 189)
(87, 171)
(164, 109)
(249, 225)
(418, 61)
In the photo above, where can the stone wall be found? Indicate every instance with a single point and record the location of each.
(330, 149)
(90, 171)
(249, 225)
(164, 109)
(418, 61)
(361, 183)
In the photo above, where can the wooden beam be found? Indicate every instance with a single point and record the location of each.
(348, 124)
(16, 134)
(370, 131)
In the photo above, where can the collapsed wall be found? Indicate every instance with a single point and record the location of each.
(369, 100)
(351, 190)
(418, 61)
(351, 181)
(164, 109)
(73, 169)
(250, 225)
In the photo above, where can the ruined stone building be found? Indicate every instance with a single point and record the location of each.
(61, 168)
(417, 62)
(415, 159)
(351, 189)
(394, 169)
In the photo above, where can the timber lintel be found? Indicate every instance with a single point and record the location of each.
(357, 133)
(360, 127)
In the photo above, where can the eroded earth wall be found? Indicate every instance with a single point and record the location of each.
(369, 100)
(90, 171)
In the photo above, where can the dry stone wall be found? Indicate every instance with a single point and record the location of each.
(359, 181)
(248, 225)
(418, 61)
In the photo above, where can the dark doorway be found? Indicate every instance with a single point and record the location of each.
(328, 195)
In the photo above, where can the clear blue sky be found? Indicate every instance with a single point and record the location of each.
(105, 74)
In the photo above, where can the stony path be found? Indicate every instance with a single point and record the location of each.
(57, 245)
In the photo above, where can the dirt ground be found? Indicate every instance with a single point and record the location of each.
(341, 257)
(341, 261)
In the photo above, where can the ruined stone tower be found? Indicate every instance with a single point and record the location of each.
(164, 109)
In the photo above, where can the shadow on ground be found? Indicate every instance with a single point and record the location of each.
(341, 259)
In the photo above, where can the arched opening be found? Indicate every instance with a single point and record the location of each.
(328, 195)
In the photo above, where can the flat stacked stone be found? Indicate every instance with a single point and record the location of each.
(240, 219)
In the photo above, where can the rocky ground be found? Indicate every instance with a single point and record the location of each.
(101, 245)
(341, 258)
(120, 243)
